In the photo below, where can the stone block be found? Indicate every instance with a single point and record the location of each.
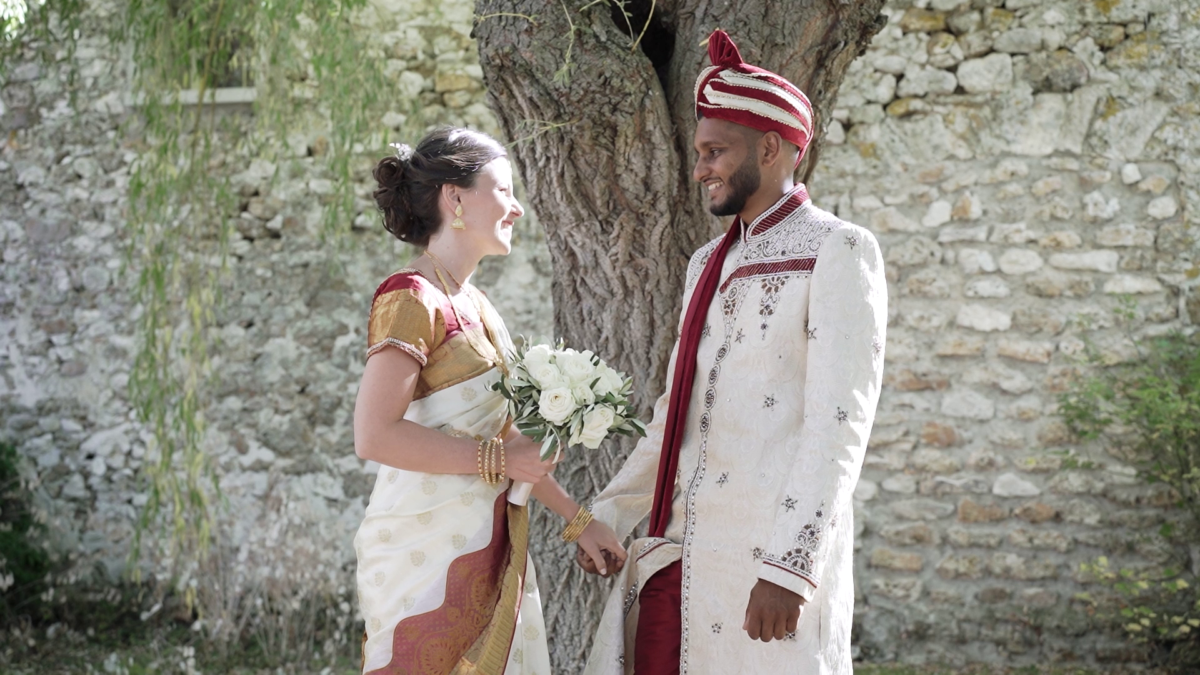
(928, 283)
(955, 485)
(973, 537)
(991, 73)
(970, 511)
(968, 207)
(890, 219)
(1161, 208)
(922, 81)
(959, 345)
(924, 319)
(1054, 284)
(987, 287)
(1077, 483)
(975, 44)
(1020, 261)
(1125, 235)
(968, 404)
(993, 595)
(1013, 566)
(1057, 71)
(902, 561)
(975, 261)
(996, 375)
(1130, 173)
(1011, 485)
(939, 435)
(914, 251)
(1154, 184)
(983, 319)
(955, 566)
(964, 22)
(886, 435)
(900, 483)
(1036, 512)
(1097, 208)
(1025, 350)
(902, 589)
(1038, 598)
(921, 509)
(934, 461)
(922, 21)
(1126, 284)
(1038, 320)
(937, 214)
(1019, 41)
(1040, 539)
(1026, 408)
(1054, 433)
(910, 534)
(954, 234)
(908, 380)
(1046, 186)
(905, 107)
(1098, 261)
(1061, 239)
(1013, 233)
(985, 459)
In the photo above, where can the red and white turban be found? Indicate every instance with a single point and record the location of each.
(738, 92)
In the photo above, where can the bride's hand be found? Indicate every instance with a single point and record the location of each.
(599, 551)
(523, 462)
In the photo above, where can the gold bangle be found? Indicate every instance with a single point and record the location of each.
(479, 460)
(503, 468)
(577, 525)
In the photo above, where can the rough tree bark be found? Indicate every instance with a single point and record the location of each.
(604, 145)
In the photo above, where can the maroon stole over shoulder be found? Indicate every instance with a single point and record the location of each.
(685, 361)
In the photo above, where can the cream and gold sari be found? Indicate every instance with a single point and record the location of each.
(445, 582)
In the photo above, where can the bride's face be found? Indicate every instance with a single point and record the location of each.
(489, 209)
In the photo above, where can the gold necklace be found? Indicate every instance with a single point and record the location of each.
(498, 354)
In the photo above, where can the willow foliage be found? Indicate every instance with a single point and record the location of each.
(309, 65)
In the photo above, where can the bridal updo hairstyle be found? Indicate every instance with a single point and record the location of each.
(410, 182)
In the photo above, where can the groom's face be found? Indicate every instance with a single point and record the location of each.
(727, 164)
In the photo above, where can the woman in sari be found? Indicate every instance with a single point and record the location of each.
(445, 583)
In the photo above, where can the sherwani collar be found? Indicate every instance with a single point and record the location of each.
(788, 204)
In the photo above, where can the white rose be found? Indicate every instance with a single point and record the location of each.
(609, 382)
(595, 426)
(577, 366)
(547, 376)
(556, 405)
(537, 355)
(583, 395)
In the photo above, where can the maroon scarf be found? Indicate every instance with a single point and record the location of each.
(685, 357)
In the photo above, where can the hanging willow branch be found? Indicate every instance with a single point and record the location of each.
(308, 64)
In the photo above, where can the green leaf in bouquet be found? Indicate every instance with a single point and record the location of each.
(548, 447)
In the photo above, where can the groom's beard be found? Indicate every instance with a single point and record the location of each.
(743, 183)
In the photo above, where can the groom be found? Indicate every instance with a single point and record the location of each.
(756, 446)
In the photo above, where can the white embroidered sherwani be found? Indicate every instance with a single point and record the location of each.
(787, 380)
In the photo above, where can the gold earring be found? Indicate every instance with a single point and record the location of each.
(458, 224)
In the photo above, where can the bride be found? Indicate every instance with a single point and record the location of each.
(445, 582)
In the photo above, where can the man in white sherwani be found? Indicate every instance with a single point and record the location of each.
(755, 448)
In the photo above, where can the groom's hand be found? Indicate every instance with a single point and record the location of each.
(773, 612)
(612, 564)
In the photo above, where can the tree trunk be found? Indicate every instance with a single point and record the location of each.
(603, 140)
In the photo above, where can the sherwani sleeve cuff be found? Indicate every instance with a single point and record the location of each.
(788, 579)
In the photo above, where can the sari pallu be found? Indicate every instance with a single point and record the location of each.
(444, 578)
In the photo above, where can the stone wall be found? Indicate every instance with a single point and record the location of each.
(1026, 165)
(291, 329)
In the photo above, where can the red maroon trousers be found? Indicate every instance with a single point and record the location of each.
(660, 626)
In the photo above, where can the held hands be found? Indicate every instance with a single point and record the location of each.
(598, 551)
(773, 612)
(523, 460)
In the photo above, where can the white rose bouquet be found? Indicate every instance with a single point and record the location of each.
(561, 397)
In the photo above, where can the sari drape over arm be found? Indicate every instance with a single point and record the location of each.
(445, 582)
